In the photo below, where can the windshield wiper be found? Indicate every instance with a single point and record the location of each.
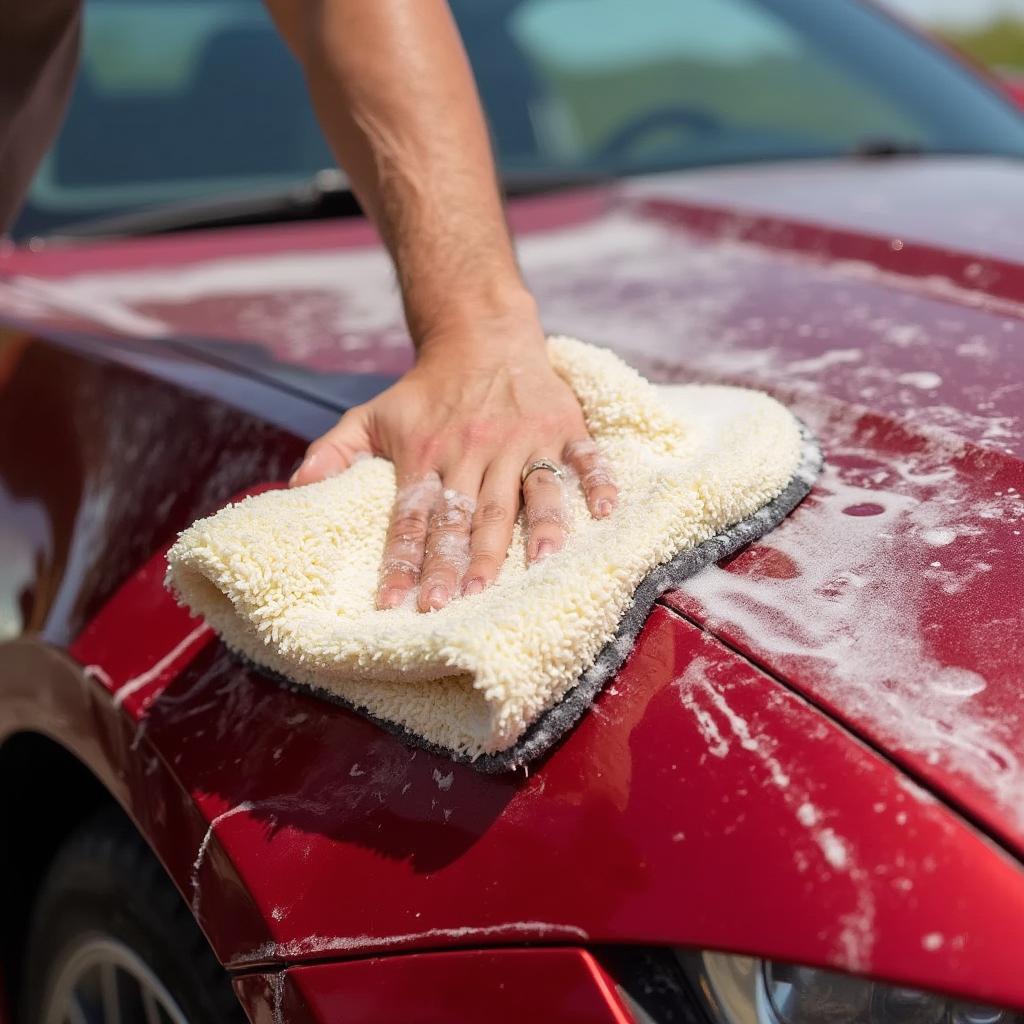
(325, 195)
(875, 146)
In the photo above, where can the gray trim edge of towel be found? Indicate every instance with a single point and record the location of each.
(557, 721)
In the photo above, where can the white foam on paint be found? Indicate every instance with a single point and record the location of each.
(926, 380)
(834, 848)
(829, 358)
(939, 537)
(99, 673)
(154, 672)
(33, 297)
(708, 702)
(857, 935)
(197, 864)
(854, 608)
(353, 943)
(621, 277)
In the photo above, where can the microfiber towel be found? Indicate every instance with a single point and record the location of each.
(288, 578)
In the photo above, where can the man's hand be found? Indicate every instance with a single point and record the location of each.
(396, 99)
(460, 428)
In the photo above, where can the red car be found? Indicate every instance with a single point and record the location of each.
(802, 799)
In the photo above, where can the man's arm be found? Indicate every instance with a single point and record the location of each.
(396, 99)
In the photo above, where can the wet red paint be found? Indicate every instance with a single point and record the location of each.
(953, 588)
(867, 508)
(502, 986)
(334, 840)
(187, 248)
(346, 842)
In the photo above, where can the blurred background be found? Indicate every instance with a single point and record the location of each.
(179, 101)
(991, 31)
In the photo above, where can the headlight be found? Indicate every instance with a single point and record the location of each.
(661, 987)
(745, 990)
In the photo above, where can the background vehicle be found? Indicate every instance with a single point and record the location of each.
(812, 756)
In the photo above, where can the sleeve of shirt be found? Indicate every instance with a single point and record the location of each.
(38, 57)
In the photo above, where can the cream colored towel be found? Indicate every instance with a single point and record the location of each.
(288, 578)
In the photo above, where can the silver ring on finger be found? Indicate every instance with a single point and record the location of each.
(532, 467)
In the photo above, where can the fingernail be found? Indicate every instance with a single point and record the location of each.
(390, 598)
(544, 548)
(473, 586)
(437, 597)
(603, 507)
(306, 463)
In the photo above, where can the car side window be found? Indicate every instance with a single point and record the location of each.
(644, 74)
(176, 99)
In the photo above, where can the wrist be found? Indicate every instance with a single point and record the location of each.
(487, 326)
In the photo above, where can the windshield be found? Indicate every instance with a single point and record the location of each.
(197, 99)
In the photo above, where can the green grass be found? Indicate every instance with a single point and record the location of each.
(1000, 44)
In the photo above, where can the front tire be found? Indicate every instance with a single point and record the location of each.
(112, 940)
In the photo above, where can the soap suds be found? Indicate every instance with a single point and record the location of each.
(846, 604)
(241, 808)
(705, 697)
(277, 983)
(923, 379)
(857, 937)
(720, 306)
(588, 464)
(99, 673)
(449, 534)
(168, 661)
(338, 943)
(834, 849)
(807, 814)
(939, 537)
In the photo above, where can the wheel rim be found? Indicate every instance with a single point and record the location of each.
(102, 981)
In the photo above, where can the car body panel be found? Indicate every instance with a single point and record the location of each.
(638, 828)
(312, 834)
(504, 986)
(668, 269)
(956, 204)
(86, 499)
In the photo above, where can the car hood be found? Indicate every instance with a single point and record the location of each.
(882, 301)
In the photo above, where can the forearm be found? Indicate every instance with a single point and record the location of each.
(396, 99)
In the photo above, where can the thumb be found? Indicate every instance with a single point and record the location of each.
(333, 453)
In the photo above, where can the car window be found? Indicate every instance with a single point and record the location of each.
(178, 99)
(185, 99)
(691, 75)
